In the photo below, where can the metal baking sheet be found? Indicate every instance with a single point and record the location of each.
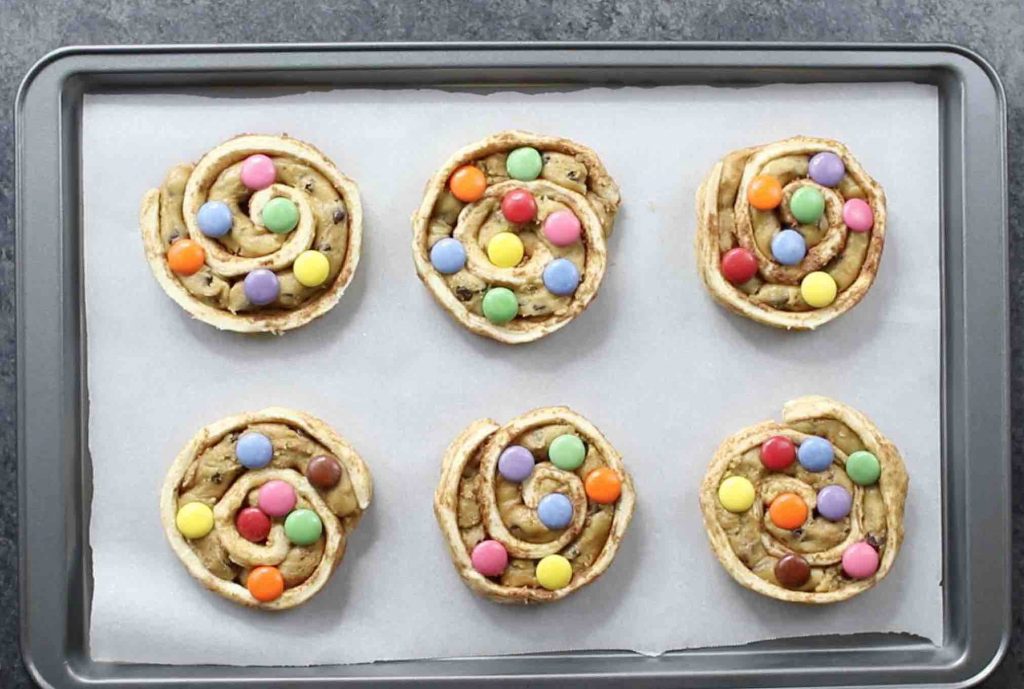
(55, 466)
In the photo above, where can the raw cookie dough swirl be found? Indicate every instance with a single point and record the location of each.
(790, 234)
(510, 237)
(259, 506)
(535, 509)
(261, 235)
(809, 510)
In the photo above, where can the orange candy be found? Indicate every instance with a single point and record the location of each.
(603, 485)
(764, 192)
(265, 583)
(788, 511)
(185, 257)
(467, 183)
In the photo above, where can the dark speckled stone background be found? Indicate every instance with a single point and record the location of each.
(30, 28)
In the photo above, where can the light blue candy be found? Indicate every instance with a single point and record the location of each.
(815, 454)
(214, 219)
(789, 247)
(254, 450)
(561, 277)
(554, 511)
(448, 256)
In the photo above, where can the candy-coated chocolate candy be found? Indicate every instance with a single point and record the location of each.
(603, 485)
(500, 305)
(519, 206)
(303, 527)
(311, 268)
(834, 502)
(468, 183)
(185, 257)
(265, 583)
(262, 286)
(254, 450)
(764, 192)
(562, 228)
(736, 494)
(505, 250)
(489, 558)
(777, 453)
(567, 452)
(860, 560)
(863, 468)
(448, 256)
(554, 511)
(792, 571)
(561, 277)
(818, 289)
(738, 265)
(194, 520)
(858, 216)
(826, 168)
(554, 572)
(252, 524)
(258, 172)
(276, 498)
(807, 204)
(515, 463)
(214, 219)
(789, 247)
(788, 511)
(323, 472)
(815, 454)
(280, 215)
(524, 164)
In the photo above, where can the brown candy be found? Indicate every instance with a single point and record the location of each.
(792, 571)
(323, 472)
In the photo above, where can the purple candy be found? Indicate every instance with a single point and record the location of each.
(261, 287)
(826, 168)
(515, 463)
(834, 502)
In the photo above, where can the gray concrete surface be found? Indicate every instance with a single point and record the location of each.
(30, 28)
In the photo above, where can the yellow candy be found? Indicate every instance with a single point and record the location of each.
(736, 494)
(311, 268)
(818, 289)
(194, 520)
(554, 572)
(505, 250)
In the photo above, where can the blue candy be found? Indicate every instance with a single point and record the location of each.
(254, 450)
(554, 511)
(214, 219)
(815, 454)
(789, 247)
(448, 256)
(561, 277)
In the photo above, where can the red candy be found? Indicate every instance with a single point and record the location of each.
(252, 524)
(777, 453)
(519, 206)
(738, 265)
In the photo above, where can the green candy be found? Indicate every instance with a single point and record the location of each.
(524, 164)
(807, 204)
(500, 305)
(303, 527)
(280, 215)
(863, 468)
(567, 452)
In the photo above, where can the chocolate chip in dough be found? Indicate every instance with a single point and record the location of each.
(339, 215)
(463, 293)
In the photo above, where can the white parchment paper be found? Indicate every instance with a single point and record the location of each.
(661, 369)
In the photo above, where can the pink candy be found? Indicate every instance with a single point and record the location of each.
(860, 560)
(489, 558)
(858, 216)
(276, 498)
(258, 172)
(562, 228)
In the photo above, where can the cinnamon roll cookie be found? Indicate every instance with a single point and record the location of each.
(533, 509)
(510, 236)
(790, 234)
(259, 506)
(261, 235)
(809, 510)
